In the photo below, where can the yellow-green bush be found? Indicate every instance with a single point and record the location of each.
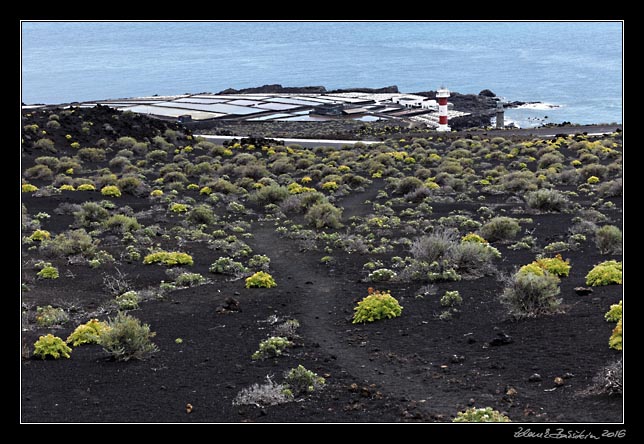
(67, 187)
(87, 333)
(606, 273)
(29, 188)
(50, 345)
(156, 193)
(473, 237)
(261, 279)
(111, 190)
(377, 305)
(168, 258)
(615, 315)
(176, 207)
(48, 273)
(555, 265)
(40, 235)
(86, 187)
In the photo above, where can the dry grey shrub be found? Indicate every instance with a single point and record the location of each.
(263, 395)
(608, 381)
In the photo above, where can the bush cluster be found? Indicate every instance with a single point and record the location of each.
(87, 333)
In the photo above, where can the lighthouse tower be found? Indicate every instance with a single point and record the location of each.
(441, 96)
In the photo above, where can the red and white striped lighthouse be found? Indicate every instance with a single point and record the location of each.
(442, 95)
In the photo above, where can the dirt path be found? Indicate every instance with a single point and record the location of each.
(324, 310)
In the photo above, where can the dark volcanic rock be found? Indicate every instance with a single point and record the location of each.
(583, 291)
(535, 377)
(487, 93)
(502, 339)
(393, 89)
(275, 88)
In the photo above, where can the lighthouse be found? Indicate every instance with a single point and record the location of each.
(441, 96)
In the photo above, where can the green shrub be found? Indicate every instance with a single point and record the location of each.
(45, 144)
(126, 338)
(120, 223)
(272, 347)
(615, 313)
(70, 243)
(377, 305)
(500, 228)
(226, 265)
(486, 414)
(408, 185)
(547, 200)
(531, 295)
(451, 299)
(433, 247)
(49, 316)
(271, 194)
(381, 275)
(259, 262)
(94, 155)
(168, 258)
(260, 279)
(39, 172)
(48, 273)
(189, 279)
(87, 333)
(89, 213)
(606, 273)
(302, 381)
(111, 190)
(473, 258)
(324, 215)
(201, 214)
(132, 185)
(86, 187)
(51, 345)
(128, 300)
(609, 239)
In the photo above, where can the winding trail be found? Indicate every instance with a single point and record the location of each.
(324, 311)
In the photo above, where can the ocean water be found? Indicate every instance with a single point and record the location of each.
(574, 68)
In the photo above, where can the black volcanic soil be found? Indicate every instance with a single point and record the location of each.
(401, 369)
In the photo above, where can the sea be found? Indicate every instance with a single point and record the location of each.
(574, 70)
